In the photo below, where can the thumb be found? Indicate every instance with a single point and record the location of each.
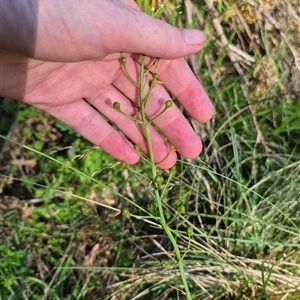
(133, 31)
(76, 30)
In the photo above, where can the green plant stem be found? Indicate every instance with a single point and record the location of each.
(129, 116)
(151, 87)
(154, 63)
(127, 73)
(143, 115)
(162, 219)
(158, 115)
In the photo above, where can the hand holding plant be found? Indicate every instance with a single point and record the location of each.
(66, 62)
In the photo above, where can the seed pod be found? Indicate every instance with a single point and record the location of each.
(125, 212)
(168, 104)
(181, 209)
(117, 105)
(123, 60)
(189, 231)
(159, 179)
(164, 263)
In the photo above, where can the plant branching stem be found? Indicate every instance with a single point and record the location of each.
(162, 219)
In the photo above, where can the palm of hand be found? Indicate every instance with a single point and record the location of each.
(75, 93)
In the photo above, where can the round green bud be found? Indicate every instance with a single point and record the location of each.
(137, 148)
(168, 103)
(268, 162)
(189, 231)
(117, 105)
(181, 209)
(123, 60)
(125, 212)
(167, 215)
(164, 263)
(159, 179)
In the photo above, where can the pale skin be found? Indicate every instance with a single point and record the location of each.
(62, 56)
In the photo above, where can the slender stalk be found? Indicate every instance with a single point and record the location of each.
(162, 219)
(123, 63)
(143, 116)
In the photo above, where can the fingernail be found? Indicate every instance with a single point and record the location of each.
(193, 37)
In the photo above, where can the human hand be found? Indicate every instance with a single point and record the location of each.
(63, 57)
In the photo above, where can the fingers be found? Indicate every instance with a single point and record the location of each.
(92, 30)
(86, 121)
(136, 32)
(171, 122)
(186, 88)
(133, 130)
(177, 76)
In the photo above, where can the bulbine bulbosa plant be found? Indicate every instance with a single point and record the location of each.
(145, 88)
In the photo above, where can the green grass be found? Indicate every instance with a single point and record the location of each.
(241, 198)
